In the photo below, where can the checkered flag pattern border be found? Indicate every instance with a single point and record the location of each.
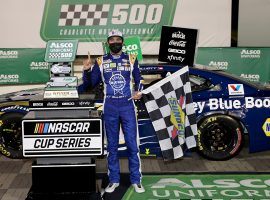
(54, 55)
(156, 102)
(84, 15)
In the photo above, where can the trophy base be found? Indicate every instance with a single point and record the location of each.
(63, 92)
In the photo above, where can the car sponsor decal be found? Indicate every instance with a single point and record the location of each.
(236, 89)
(13, 107)
(177, 116)
(231, 104)
(266, 127)
(4, 151)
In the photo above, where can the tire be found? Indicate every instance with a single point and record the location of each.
(220, 137)
(11, 134)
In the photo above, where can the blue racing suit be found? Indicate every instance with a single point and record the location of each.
(118, 108)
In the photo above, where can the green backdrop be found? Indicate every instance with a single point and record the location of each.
(23, 66)
(27, 66)
(252, 64)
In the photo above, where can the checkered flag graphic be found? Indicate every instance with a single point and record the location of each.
(84, 15)
(171, 110)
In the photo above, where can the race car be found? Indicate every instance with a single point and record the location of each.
(227, 108)
(13, 107)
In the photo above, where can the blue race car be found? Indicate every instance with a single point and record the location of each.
(227, 107)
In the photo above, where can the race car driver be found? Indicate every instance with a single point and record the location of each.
(116, 70)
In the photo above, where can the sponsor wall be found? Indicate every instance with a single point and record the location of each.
(252, 64)
(178, 45)
(31, 23)
(20, 66)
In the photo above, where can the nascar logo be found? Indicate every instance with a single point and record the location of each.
(59, 127)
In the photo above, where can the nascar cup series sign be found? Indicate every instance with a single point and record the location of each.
(92, 20)
(55, 137)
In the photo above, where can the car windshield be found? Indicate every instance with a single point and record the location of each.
(199, 83)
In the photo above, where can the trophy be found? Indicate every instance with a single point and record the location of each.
(62, 84)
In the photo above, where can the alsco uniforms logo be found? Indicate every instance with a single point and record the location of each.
(250, 53)
(177, 116)
(60, 127)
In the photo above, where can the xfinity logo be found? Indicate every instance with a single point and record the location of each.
(84, 103)
(60, 127)
(250, 53)
(219, 64)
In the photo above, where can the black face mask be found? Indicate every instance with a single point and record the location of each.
(116, 47)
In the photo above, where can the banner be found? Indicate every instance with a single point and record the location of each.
(178, 45)
(132, 45)
(23, 66)
(252, 64)
(203, 187)
(90, 21)
(61, 50)
(69, 19)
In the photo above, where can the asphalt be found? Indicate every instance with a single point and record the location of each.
(16, 177)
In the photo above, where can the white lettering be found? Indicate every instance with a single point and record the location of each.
(176, 51)
(252, 193)
(226, 183)
(231, 193)
(248, 183)
(167, 193)
(162, 183)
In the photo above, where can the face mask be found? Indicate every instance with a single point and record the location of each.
(115, 47)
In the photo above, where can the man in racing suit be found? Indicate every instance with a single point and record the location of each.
(116, 70)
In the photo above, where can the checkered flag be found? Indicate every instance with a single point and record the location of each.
(170, 107)
(84, 14)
